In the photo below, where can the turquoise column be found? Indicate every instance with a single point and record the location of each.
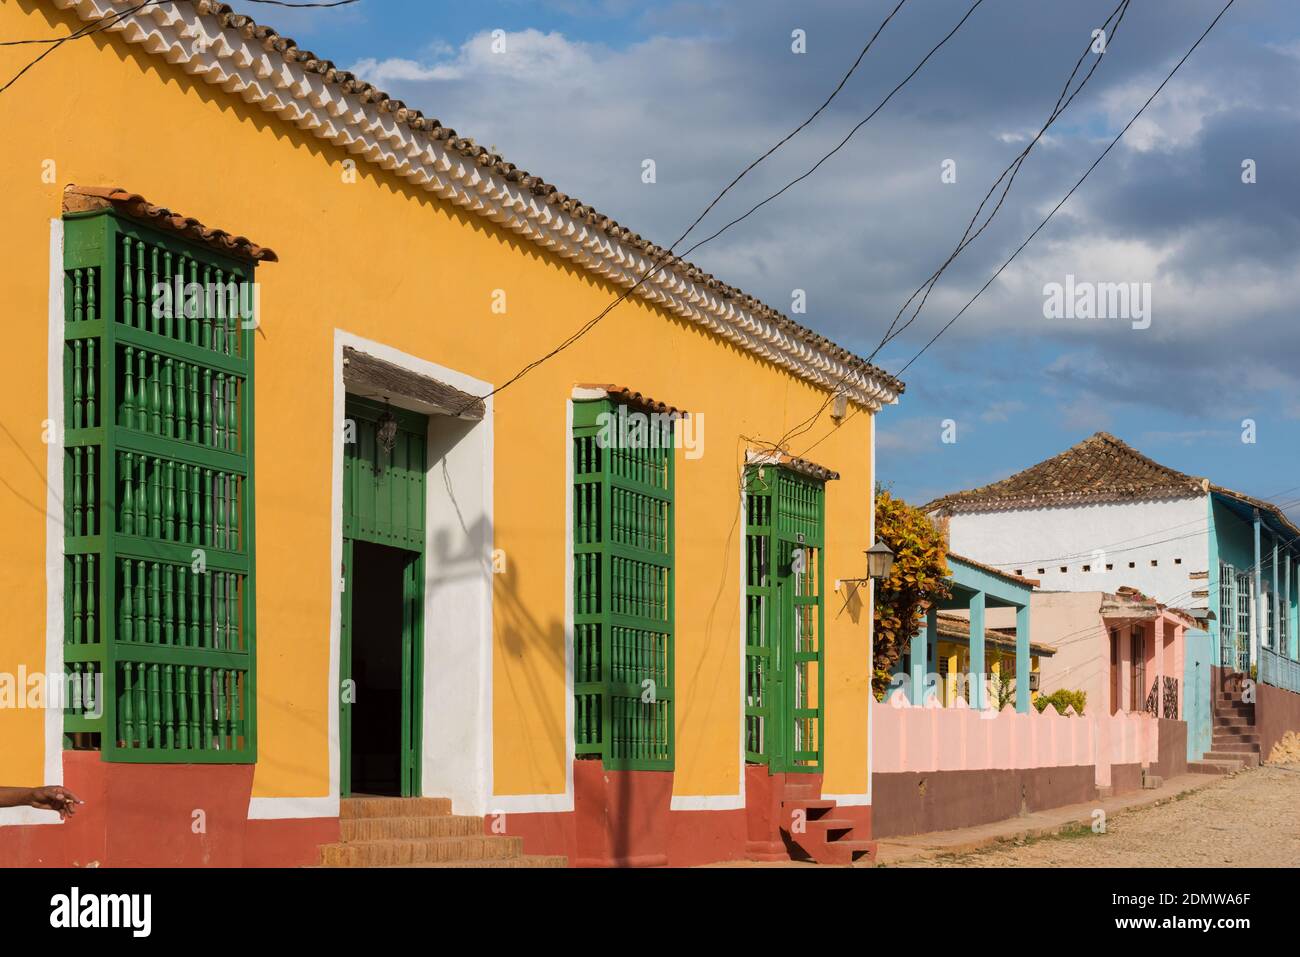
(932, 652)
(1290, 616)
(977, 669)
(1022, 659)
(920, 658)
(1277, 603)
(1257, 604)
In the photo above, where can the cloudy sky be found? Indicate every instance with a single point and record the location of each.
(586, 90)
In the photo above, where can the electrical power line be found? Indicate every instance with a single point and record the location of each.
(793, 133)
(1041, 225)
(669, 258)
(1063, 101)
(85, 31)
(1009, 174)
(1081, 180)
(1112, 550)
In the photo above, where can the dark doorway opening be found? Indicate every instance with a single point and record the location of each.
(378, 576)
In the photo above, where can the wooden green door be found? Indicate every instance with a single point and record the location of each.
(412, 671)
(785, 678)
(347, 690)
(384, 504)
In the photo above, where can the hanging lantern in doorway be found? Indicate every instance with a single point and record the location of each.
(386, 430)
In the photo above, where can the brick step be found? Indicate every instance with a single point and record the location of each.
(406, 828)
(421, 851)
(355, 807)
(1246, 758)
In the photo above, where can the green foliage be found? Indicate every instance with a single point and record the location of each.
(914, 584)
(1061, 699)
(1004, 686)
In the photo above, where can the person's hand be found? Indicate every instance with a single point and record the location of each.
(56, 798)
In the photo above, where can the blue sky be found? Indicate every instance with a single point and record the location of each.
(590, 88)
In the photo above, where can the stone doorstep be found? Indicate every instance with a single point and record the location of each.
(421, 832)
(893, 850)
(421, 851)
(394, 828)
(393, 807)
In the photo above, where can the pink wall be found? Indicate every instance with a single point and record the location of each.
(1071, 623)
(931, 739)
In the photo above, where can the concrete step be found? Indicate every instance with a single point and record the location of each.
(1235, 730)
(1241, 737)
(813, 810)
(438, 850)
(1213, 767)
(406, 828)
(355, 807)
(1234, 747)
(1234, 710)
(828, 826)
(845, 852)
(1234, 721)
(1151, 781)
(1246, 758)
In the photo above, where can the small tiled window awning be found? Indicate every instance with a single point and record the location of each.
(78, 199)
(622, 393)
(372, 377)
(793, 463)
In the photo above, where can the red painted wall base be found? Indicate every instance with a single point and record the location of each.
(625, 819)
(162, 815)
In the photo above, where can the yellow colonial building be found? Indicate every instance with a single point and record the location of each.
(301, 539)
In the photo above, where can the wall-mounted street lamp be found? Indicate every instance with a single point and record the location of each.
(880, 561)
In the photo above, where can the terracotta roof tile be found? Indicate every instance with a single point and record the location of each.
(81, 198)
(794, 464)
(1101, 468)
(632, 397)
(956, 627)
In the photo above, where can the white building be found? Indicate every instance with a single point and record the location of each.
(1102, 516)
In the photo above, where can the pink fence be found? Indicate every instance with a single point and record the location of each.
(906, 738)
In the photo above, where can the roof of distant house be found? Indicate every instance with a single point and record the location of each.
(1101, 468)
(265, 68)
(1001, 573)
(956, 628)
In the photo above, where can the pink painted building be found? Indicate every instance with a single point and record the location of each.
(1124, 650)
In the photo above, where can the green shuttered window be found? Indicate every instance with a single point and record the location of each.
(158, 483)
(623, 585)
(784, 618)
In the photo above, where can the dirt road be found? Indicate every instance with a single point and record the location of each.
(1251, 819)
